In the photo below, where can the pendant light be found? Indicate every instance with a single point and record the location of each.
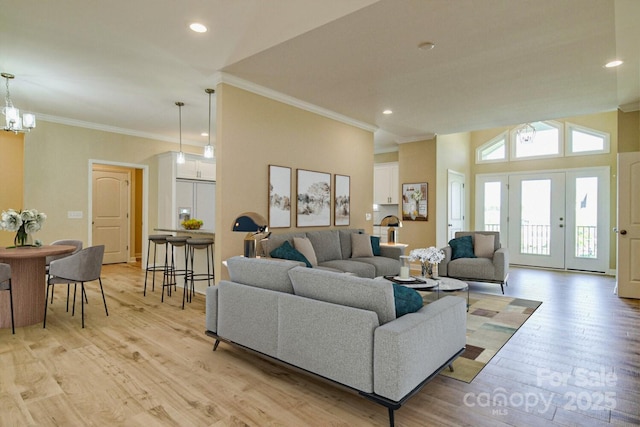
(181, 158)
(209, 152)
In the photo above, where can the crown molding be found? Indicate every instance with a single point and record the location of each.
(111, 129)
(289, 100)
(416, 138)
(631, 107)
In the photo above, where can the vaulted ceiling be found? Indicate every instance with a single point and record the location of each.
(121, 65)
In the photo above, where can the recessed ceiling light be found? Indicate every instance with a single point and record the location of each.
(198, 28)
(426, 46)
(204, 134)
(387, 112)
(614, 64)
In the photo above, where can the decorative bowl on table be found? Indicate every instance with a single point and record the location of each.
(192, 224)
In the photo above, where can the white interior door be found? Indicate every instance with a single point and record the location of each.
(111, 214)
(537, 219)
(456, 205)
(629, 225)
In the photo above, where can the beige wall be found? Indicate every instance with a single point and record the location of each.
(386, 157)
(452, 154)
(605, 122)
(629, 131)
(11, 178)
(417, 163)
(56, 173)
(254, 132)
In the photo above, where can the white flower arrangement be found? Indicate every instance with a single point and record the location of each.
(432, 255)
(24, 223)
(417, 195)
(30, 220)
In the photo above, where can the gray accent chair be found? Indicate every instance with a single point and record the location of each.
(81, 267)
(491, 270)
(5, 285)
(65, 242)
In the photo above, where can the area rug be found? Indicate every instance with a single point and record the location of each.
(491, 322)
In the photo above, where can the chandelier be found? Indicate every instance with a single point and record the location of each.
(525, 133)
(13, 121)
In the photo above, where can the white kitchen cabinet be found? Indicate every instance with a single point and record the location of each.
(196, 168)
(385, 184)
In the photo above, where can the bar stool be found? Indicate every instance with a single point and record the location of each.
(177, 242)
(194, 244)
(156, 239)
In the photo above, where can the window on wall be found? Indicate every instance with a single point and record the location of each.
(582, 140)
(546, 143)
(494, 150)
(549, 141)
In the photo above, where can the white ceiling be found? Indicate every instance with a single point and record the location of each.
(121, 65)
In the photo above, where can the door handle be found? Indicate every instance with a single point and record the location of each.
(623, 232)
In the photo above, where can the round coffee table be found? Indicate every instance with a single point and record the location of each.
(448, 284)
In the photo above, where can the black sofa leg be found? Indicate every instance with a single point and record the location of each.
(215, 345)
(391, 420)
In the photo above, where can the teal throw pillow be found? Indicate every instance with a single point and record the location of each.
(462, 247)
(286, 251)
(375, 245)
(407, 300)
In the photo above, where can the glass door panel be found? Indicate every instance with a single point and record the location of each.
(535, 217)
(492, 205)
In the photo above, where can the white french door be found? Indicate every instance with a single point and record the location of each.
(549, 219)
(537, 220)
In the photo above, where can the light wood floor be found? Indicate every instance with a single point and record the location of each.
(150, 364)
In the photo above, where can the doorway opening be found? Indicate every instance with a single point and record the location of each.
(118, 209)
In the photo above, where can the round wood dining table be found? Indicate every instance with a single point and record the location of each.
(28, 283)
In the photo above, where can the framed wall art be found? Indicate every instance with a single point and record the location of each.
(313, 202)
(342, 199)
(279, 197)
(414, 201)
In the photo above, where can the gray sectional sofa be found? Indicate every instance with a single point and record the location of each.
(335, 325)
(333, 250)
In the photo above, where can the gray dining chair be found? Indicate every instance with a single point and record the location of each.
(5, 285)
(81, 267)
(67, 242)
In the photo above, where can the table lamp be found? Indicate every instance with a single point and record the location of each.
(391, 221)
(253, 224)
